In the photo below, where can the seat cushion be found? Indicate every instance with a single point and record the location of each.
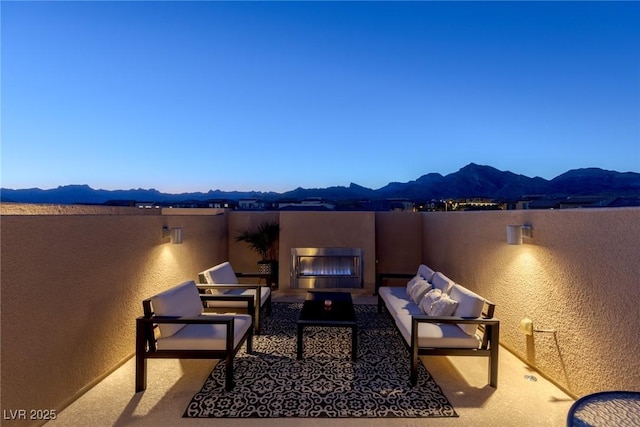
(433, 335)
(182, 301)
(397, 302)
(206, 337)
(469, 305)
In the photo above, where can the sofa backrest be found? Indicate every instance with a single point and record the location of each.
(470, 304)
(181, 300)
(442, 282)
(425, 272)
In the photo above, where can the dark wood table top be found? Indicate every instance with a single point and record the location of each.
(340, 311)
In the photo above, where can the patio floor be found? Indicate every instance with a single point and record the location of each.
(171, 383)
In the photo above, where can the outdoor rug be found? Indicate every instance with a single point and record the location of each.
(272, 383)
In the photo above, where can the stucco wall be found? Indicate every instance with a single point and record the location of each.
(579, 275)
(72, 286)
(398, 243)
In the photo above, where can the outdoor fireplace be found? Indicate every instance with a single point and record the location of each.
(326, 268)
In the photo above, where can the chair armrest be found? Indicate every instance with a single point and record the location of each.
(258, 275)
(227, 286)
(453, 319)
(268, 278)
(250, 300)
(206, 320)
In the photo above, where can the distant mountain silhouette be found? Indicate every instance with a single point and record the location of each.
(471, 181)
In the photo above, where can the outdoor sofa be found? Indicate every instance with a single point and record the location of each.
(436, 316)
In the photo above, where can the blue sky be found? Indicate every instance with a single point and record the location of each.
(269, 96)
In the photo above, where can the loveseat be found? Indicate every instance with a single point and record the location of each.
(437, 316)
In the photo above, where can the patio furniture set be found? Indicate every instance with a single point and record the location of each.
(434, 316)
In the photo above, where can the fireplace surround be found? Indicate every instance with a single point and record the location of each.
(313, 268)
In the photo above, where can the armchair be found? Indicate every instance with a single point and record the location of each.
(220, 281)
(174, 326)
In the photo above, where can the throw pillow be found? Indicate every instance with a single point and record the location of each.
(411, 283)
(444, 306)
(419, 289)
(428, 299)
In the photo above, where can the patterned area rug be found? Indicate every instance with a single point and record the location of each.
(272, 383)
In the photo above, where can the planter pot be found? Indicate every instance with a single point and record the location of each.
(267, 267)
(271, 268)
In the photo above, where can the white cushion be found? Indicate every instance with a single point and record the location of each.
(469, 305)
(411, 283)
(443, 306)
(208, 280)
(442, 282)
(428, 299)
(397, 302)
(433, 335)
(222, 274)
(425, 272)
(182, 300)
(419, 289)
(206, 337)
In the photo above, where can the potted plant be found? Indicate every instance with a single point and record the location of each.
(264, 241)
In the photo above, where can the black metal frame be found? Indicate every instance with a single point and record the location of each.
(146, 347)
(488, 348)
(317, 297)
(257, 306)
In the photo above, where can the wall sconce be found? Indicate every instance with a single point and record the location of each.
(515, 233)
(174, 233)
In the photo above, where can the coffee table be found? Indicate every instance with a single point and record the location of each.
(316, 311)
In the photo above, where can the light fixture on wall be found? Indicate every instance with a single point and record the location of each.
(175, 233)
(515, 233)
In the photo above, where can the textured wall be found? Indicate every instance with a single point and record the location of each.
(398, 242)
(578, 275)
(72, 286)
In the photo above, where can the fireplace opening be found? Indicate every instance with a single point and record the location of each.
(326, 268)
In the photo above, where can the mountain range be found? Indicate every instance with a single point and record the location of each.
(471, 181)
